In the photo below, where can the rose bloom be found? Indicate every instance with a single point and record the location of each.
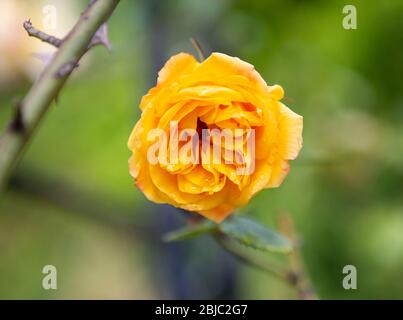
(222, 92)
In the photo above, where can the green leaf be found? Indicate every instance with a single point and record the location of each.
(191, 231)
(255, 235)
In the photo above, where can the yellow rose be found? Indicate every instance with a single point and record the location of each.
(222, 93)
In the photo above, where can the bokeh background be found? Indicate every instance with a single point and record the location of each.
(71, 202)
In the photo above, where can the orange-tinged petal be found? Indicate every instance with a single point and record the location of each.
(219, 64)
(167, 184)
(276, 91)
(279, 171)
(177, 65)
(210, 93)
(144, 183)
(290, 133)
(218, 214)
(259, 180)
(200, 180)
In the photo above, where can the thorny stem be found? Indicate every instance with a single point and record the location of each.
(249, 259)
(295, 277)
(299, 277)
(33, 107)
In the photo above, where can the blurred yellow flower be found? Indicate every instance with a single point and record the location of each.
(220, 94)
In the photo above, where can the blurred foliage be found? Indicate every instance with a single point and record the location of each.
(345, 191)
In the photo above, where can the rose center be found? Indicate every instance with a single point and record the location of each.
(200, 126)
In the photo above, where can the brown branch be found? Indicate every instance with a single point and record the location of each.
(33, 32)
(99, 38)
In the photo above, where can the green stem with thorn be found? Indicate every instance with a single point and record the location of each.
(32, 108)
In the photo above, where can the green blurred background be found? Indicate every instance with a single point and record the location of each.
(71, 202)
